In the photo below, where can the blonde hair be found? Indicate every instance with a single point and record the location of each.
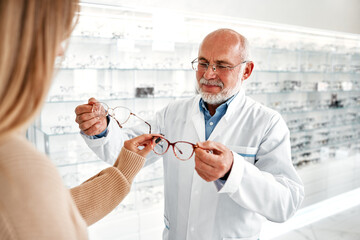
(32, 31)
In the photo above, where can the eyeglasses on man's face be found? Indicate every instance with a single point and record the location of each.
(202, 66)
(120, 114)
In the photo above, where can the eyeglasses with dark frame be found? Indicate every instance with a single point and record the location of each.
(199, 65)
(120, 114)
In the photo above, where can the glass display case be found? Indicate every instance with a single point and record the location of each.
(141, 59)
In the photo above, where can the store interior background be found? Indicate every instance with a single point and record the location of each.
(332, 186)
(335, 15)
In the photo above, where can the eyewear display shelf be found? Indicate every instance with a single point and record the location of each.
(141, 59)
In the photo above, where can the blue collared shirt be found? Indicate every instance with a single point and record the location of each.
(212, 121)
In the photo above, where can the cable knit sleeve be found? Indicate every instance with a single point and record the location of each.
(100, 194)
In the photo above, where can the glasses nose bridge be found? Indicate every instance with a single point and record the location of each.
(212, 67)
(173, 146)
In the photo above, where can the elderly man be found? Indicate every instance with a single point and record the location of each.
(240, 171)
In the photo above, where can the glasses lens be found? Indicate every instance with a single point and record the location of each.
(100, 109)
(183, 150)
(161, 146)
(121, 114)
(195, 65)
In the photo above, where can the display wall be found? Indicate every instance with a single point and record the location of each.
(334, 15)
(141, 59)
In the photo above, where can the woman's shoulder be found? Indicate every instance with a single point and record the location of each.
(16, 146)
(21, 162)
(24, 170)
(19, 156)
(32, 191)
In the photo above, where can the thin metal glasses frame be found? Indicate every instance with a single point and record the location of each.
(110, 111)
(214, 66)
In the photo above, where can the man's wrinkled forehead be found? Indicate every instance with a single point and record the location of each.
(219, 51)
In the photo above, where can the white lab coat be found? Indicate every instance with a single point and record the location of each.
(263, 183)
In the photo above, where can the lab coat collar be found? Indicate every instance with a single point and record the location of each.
(199, 121)
(233, 107)
(235, 104)
(223, 107)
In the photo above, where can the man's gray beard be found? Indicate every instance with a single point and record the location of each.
(222, 96)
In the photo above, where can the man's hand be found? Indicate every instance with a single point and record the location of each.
(212, 160)
(89, 122)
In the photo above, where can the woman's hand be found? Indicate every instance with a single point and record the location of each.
(142, 144)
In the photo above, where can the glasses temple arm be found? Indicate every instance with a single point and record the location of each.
(116, 121)
(143, 121)
(178, 149)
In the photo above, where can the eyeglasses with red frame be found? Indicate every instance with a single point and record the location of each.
(182, 150)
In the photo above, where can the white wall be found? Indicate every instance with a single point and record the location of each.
(335, 15)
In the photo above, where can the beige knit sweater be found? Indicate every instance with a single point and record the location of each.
(35, 204)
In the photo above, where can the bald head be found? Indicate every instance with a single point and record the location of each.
(228, 38)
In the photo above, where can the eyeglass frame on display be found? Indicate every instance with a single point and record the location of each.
(214, 66)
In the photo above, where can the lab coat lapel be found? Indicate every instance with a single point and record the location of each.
(223, 124)
(198, 120)
(220, 128)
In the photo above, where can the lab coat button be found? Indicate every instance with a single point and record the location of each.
(192, 229)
